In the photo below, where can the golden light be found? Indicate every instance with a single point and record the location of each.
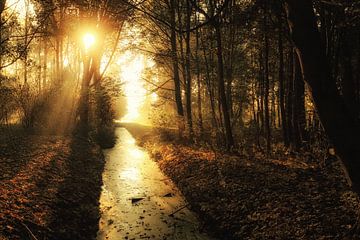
(136, 153)
(66, 62)
(88, 40)
(19, 7)
(135, 66)
(10, 70)
(134, 90)
(154, 97)
(131, 173)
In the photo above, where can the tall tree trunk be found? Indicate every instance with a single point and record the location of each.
(26, 41)
(88, 72)
(57, 58)
(281, 84)
(290, 97)
(300, 114)
(188, 70)
(39, 66)
(296, 83)
(44, 81)
(221, 88)
(260, 98)
(339, 122)
(199, 87)
(229, 56)
(175, 61)
(209, 86)
(267, 85)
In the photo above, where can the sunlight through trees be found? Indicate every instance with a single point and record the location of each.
(255, 79)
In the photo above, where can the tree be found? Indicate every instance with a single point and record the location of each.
(340, 123)
(216, 21)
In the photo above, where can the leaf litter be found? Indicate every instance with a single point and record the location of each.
(286, 196)
(49, 188)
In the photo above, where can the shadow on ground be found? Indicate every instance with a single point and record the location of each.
(50, 188)
(77, 206)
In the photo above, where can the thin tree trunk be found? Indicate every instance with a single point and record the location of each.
(290, 98)
(45, 63)
(221, 88)
(199, 87)
(297, 79)
(209, 88)
(281, 85)
(267, 85)
(188, 71)
(175, 61)
(26, 41)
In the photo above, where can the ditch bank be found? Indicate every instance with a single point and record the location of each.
(49, 188)
(286, 196)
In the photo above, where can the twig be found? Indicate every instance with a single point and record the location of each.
(31, 234)
(178, 210)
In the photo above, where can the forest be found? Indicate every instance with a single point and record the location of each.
(179, 119)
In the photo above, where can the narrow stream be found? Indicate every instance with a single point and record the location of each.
(137, 199)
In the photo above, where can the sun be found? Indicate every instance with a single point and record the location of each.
(88, 40)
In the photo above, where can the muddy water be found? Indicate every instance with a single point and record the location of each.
(137, 199)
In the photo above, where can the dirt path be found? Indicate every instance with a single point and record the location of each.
(137, 200)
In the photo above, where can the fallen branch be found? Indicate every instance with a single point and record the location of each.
(178, 210)
(28, 229)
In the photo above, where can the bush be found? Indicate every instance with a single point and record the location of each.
(105, 137)
(34, 107)
(103, 114)
(7, 99)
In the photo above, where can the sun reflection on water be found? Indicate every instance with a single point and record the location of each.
(136, 153)
(131, 174)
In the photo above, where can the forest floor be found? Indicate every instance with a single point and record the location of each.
(285, 196)
(49, 187)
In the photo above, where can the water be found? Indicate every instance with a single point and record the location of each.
(137, 199)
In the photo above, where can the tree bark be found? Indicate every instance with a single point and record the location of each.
(199, 87)
(267, 84)
(175, 61)
(281, 84)
(298, 92)
(188, 71)
(221, 88)
(339, 122)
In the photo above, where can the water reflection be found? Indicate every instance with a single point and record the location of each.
(136, 153)
(130, 174)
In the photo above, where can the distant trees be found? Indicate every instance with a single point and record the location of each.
(243, 81)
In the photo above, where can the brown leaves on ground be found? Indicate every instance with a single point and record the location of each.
(50, 185)
(262, 198)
